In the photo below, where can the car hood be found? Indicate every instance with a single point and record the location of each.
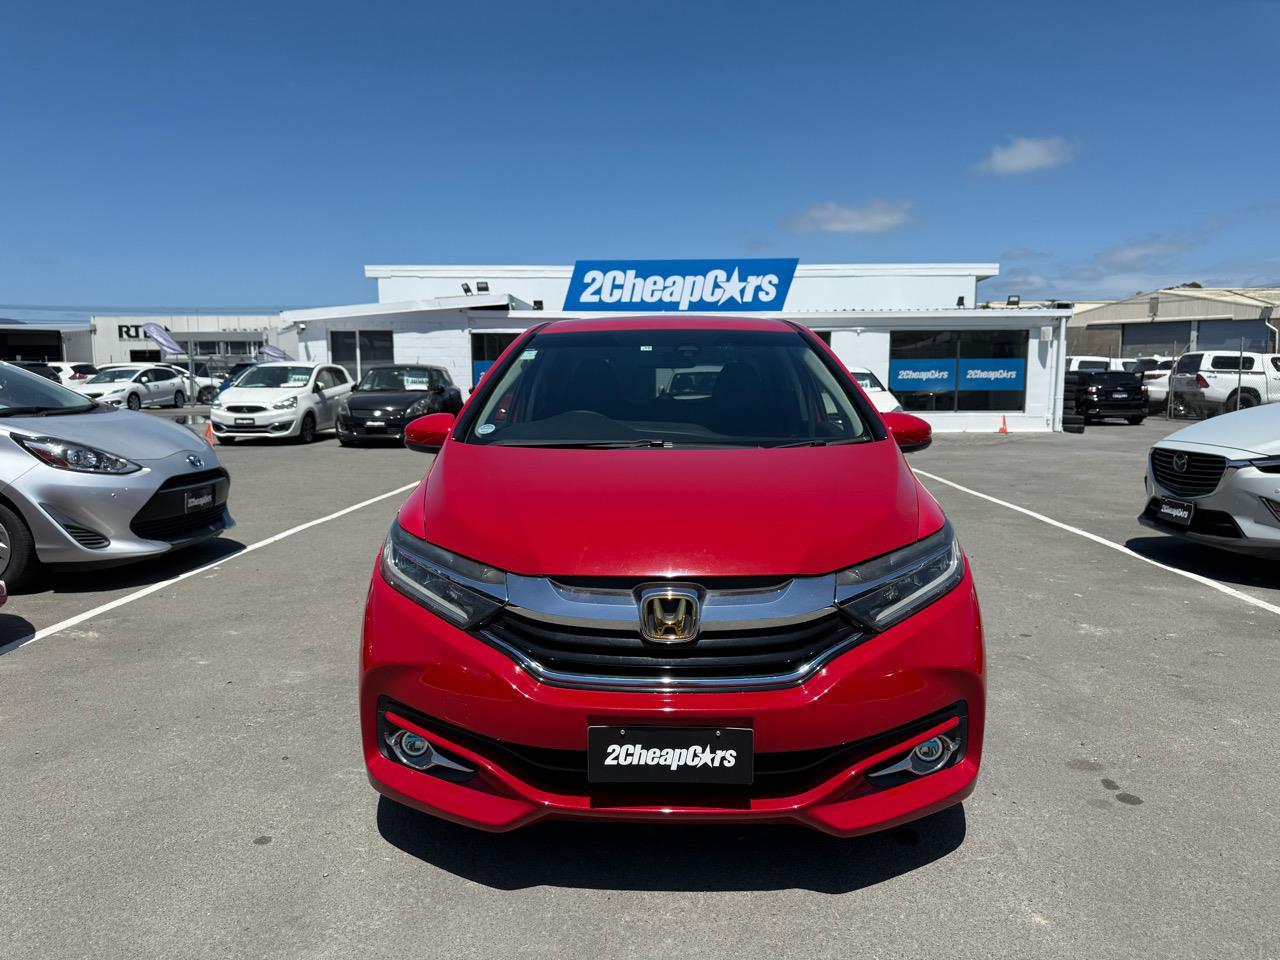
(264, 396)
(1254, 431)
(84, 386)
(135, 436)
(385, 399)
(667, 513)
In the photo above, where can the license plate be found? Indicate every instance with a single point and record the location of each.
(200, 499)
(1119, 395)
(244, 421)
(718, 755)
(375, 423)
(1176, 511)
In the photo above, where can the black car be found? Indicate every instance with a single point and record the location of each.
(1098, 394)
(388, 397)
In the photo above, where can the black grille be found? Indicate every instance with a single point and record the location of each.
(185, 480)
(165, 516)
(1199, 478)
(745, 653)
(245, 408)
(1209, 523)
(780, 774)
(179, 527)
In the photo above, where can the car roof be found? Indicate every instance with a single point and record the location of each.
(667, 322)
(294, 363)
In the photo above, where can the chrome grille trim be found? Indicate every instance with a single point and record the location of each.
(790, 678)
(797, 601)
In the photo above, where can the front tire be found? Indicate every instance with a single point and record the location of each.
(134, 402)
(179, 399)
(17, 550)
(307, 432)
(206, 395)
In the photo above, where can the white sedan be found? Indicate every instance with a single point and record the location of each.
(876, 392)
(1217, 482)
(135, 387)
(281, 399)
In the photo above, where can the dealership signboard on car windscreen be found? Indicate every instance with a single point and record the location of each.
(680, 286)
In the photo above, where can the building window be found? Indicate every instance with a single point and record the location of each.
(959, 369)
(486, 348)
(358, 349)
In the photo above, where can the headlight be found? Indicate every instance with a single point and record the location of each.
(888, 589)
(66, 455)
(344, 408)
(1267, 464)
(452, 587)
(288, 403)
(419, 408)
(216, 404)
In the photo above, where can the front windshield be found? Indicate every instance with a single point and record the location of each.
(115, 375)
(396, 378)
(867, 380)
(294, 377)
(23, 393)
(650, 388)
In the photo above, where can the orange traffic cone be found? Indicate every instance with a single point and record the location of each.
(209, 435)
(1004, 425)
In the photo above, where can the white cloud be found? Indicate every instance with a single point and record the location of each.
(1024, 154)
(878, 216)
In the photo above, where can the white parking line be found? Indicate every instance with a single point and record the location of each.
(1118, 547)
(153, 588)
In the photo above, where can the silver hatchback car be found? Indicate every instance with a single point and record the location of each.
(83, 484)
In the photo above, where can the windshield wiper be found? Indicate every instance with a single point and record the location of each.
(816, 442)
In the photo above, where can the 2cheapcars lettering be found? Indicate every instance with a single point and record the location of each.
(680, 285)
(638, 755)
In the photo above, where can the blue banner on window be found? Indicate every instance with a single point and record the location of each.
(933, 376)
(993, 374)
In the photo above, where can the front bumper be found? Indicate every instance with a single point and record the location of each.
(1233, 517)
(867, 706)
(271, 423)
(82, 520)
(356, 426)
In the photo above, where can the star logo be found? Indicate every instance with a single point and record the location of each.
(732, 288)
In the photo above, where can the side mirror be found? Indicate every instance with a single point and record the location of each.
(428, 434)
(910, 433)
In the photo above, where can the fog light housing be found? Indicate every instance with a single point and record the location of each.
(415, 751)
(928, 756)
(1273, 506)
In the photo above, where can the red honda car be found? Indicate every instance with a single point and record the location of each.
(672, 569)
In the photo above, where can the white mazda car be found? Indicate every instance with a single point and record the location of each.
(1218, 482)
(282, 399)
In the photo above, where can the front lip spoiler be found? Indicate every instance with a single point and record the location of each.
(585, 681)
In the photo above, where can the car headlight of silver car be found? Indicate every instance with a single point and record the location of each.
(288, 403)
(458, 590)
(66, 455)
(888, 589)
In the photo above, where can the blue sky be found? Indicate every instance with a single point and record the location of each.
(260, 153)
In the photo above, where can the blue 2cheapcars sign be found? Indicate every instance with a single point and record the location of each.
(936, 376)
(683, 286)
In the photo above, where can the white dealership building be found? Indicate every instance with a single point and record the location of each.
(918, 327)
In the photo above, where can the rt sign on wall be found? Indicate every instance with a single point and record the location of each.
(680, 286)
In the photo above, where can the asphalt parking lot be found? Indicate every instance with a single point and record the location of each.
(182, 775)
